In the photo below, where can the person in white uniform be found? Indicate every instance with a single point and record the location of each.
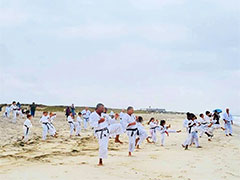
(78, 124)
(45, 125)
(14, 110)
(122, 114)
(26, 128)
(7, 111)
(52, 129)
(102, 130)
(228, 122)
(203, 127)
(192, 132)
(153, 124)
(85, 113)
(165, 130)
(71, 124)
(129, 125)
(142, 133)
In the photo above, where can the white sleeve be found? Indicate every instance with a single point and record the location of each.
(93, 120)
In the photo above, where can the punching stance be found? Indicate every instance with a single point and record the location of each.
(102, 131)
(130, 125)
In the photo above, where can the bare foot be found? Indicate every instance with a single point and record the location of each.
(118, 141)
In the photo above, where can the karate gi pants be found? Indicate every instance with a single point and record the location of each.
(104, 139)
(228, 128)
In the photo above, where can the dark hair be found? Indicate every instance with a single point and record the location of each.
(99, 105)
(201, 115)
(129, 108)
(79, 113)
(29, 115)
(162, 122)
(13, 102)
(207, 112)
(140, 119)
(150, 120)
(45, 112)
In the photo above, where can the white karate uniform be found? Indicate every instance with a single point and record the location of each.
(102, 131)
(163, 131)
(228, 125)
(26, 129)
(192, 133)
(141, 133)
(14, 110)
(52, 129)
(153, 131)
(85, 115)
(131, 130)
(7, 112)
(71, 124)
(121, 115)
(45, 125)
(78, 125)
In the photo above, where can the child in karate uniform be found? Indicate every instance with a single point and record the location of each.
(192, 132)
(26, 128)
(153, 129)
(141, 132)
(164, 130)
(45, 125)
(71, 124)
(78, 124)
(14, 110)
(52, 129)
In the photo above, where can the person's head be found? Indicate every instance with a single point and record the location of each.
(86, 108)
(33, 103)
(72, 105)
(70, 114)
(45, 113)
(123, 110)
(140, 119)
(162, 122)
(29, 116)
(99, 108)
(151, 120)
(208, 113)
(201, 115)
(18, 103)
(188, 115)
(79, 114)
(14, 102)
(227, 110)
(130, 110)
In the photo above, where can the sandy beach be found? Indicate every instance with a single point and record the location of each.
(63, 158)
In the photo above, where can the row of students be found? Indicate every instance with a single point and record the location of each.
(162, 128)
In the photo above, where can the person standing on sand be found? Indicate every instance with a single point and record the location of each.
(33, 109)
(73, 110)
(14, 109)
(228, 120)
(85, 113)
(130, 125)
(68, 111)
(102, 131)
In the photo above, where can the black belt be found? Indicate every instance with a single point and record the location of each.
(46, 125)
(133, 130)
(27, 129)
(154, 128)
(102, 130)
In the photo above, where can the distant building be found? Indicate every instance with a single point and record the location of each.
(155, 110)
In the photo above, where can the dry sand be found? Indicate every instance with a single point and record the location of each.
(76, 158)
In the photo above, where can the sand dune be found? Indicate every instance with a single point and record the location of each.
(76, 158)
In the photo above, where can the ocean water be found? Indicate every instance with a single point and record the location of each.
(236, 119)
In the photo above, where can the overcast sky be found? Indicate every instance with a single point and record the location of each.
(181, 55)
